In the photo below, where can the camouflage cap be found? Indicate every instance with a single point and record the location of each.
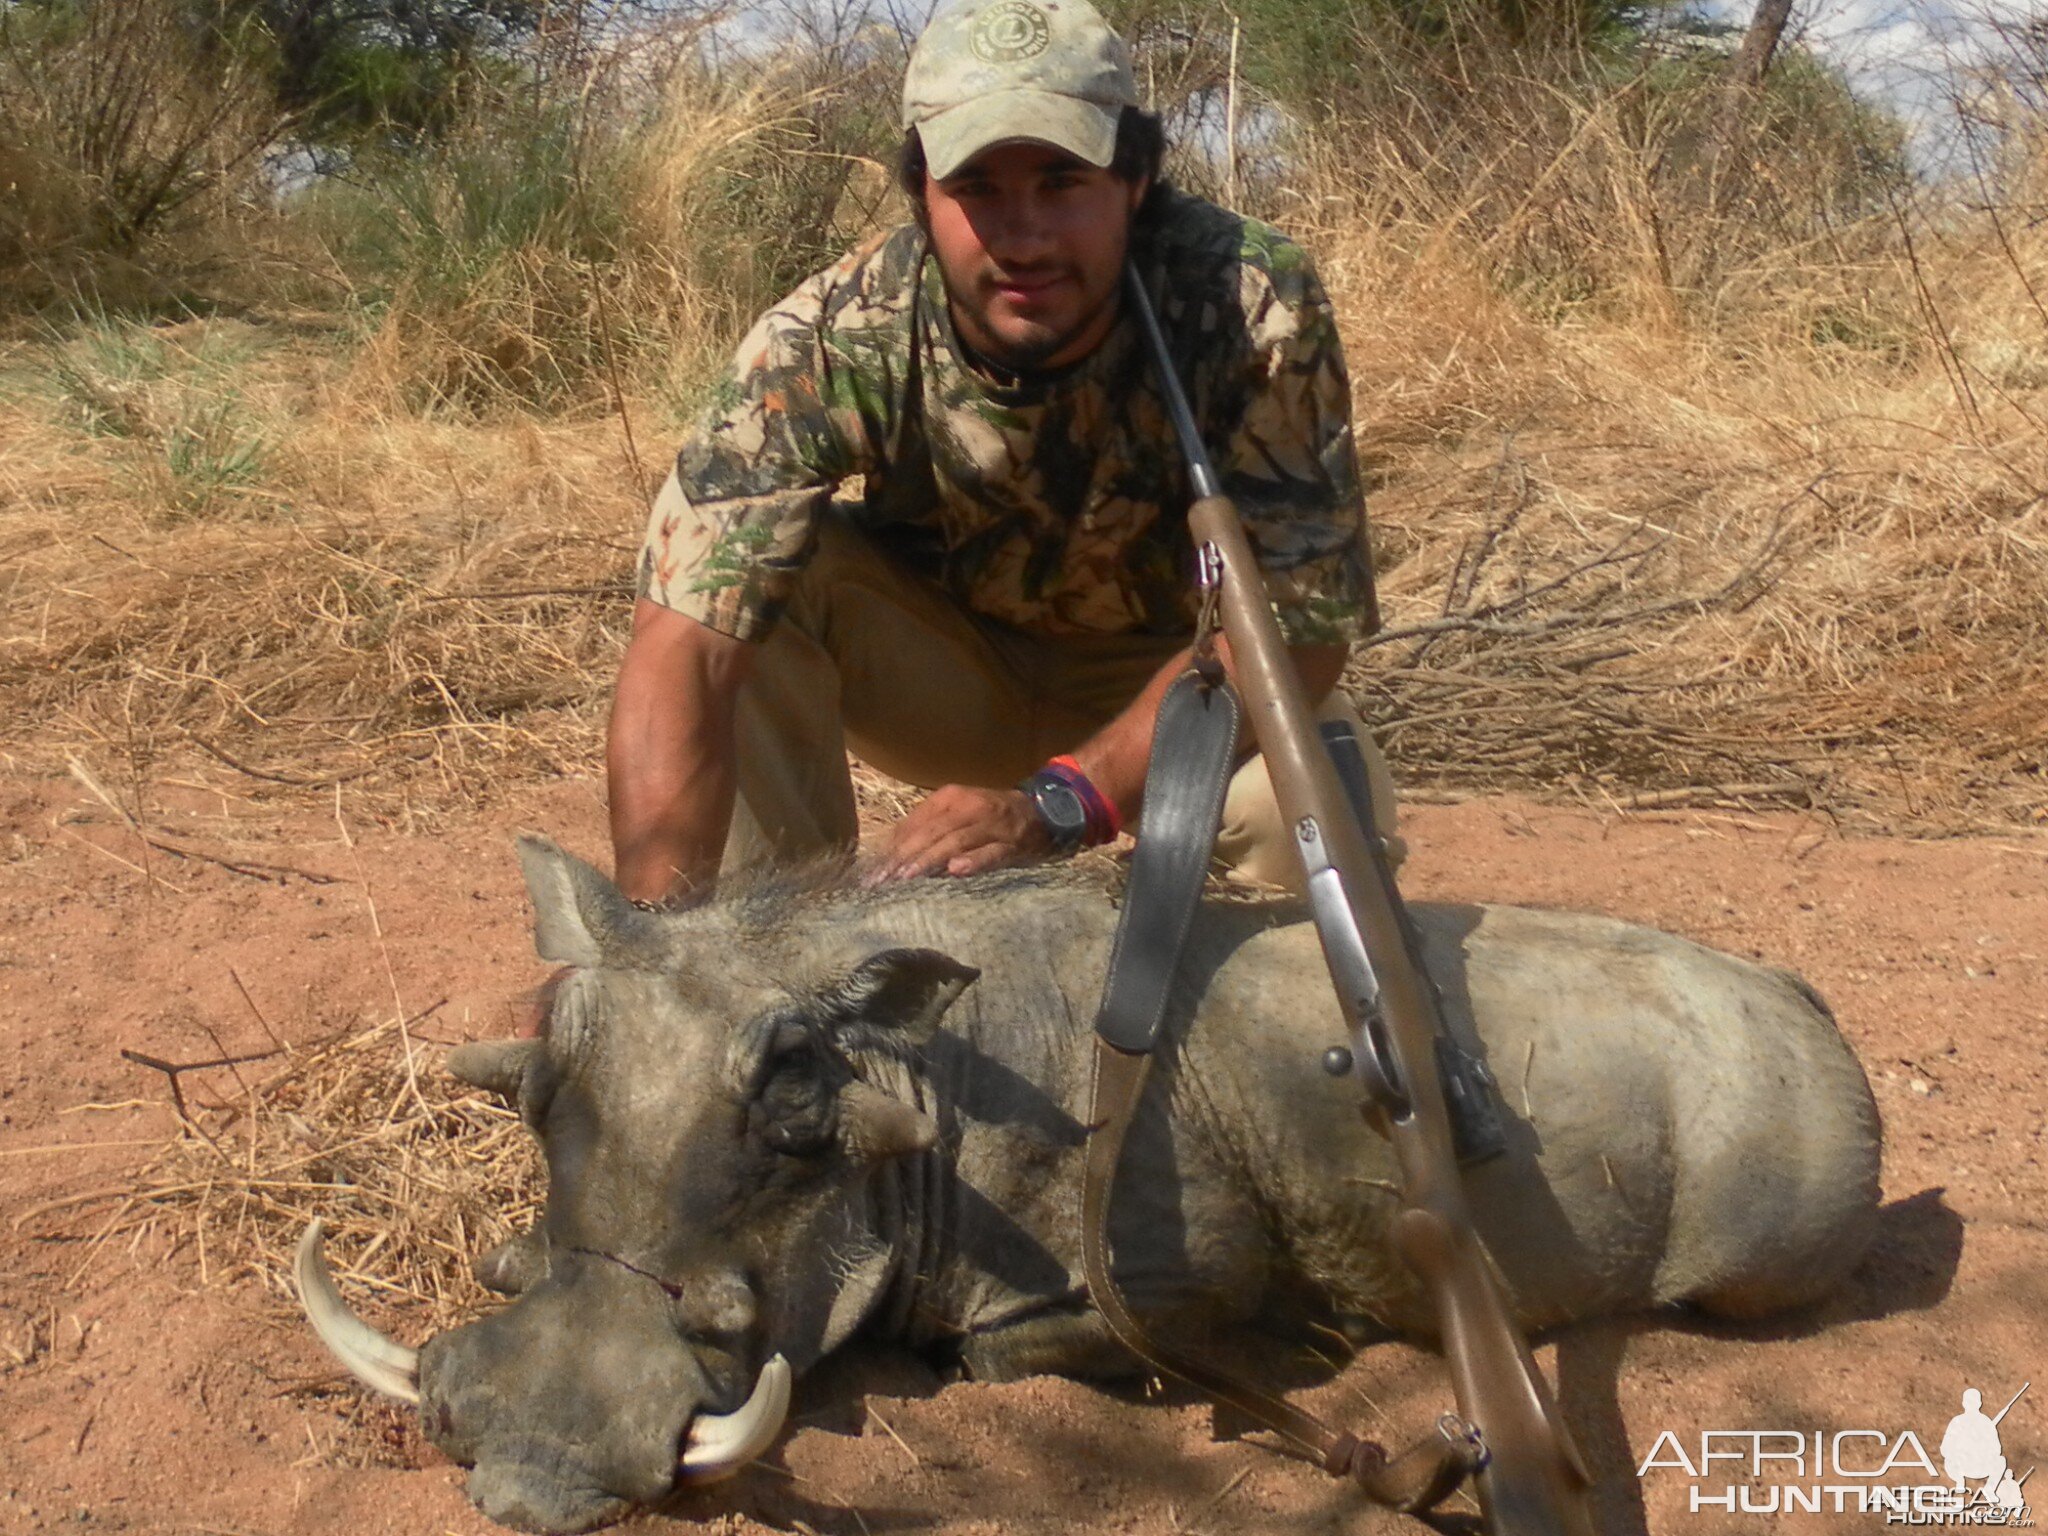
(990, 71)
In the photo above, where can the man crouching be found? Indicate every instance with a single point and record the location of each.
(937, 513)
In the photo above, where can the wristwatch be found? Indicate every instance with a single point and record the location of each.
(1060, 809)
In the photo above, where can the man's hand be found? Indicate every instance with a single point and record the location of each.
(960, 830)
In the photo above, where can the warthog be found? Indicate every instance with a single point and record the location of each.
(781, 1118)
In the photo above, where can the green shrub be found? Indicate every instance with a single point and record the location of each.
(173, 394)
(123, 131)
(104, 375)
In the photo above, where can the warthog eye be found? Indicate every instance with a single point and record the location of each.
(796, 1109)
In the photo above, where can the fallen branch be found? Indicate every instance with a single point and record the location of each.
(1709, 794)
(282, 778)
(255, 869)
(77, 1146)
(173, 1070)
(507, 594)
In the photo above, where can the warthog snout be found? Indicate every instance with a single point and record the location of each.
(572, 1405)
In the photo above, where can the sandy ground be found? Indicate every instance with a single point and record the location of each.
(141, 1391)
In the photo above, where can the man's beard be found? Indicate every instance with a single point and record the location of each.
(1031, 354)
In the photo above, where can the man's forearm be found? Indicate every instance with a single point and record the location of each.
(669, 755)
(1115, 758)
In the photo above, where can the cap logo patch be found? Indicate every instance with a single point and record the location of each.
(1009, 33)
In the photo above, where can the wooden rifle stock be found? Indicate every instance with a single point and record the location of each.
(1533, 1481)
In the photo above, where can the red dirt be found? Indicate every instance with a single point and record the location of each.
(148, 1392)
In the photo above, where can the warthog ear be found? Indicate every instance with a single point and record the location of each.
(579, 917)
(906, 989)
(877, 1125)
(496, 1066)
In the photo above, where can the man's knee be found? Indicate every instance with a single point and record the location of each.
(1254, 842)
(915, 686)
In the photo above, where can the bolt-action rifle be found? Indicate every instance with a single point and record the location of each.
(1531, 1480)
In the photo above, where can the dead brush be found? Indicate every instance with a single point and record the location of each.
(428, 606)
(126, 137)
(1632, 628)
(1684, 490)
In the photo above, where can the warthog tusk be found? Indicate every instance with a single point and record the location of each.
(372, 1359)
(719, 1444)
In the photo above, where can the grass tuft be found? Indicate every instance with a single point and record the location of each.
(414, 1173)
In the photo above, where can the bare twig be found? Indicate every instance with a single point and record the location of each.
(383, 954)
(254, 869)
(509, 594)
(173, 1070)
(890, 1430)
(260, 1019)
(295, 780)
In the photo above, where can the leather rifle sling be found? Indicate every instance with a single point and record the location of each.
(1193, 747)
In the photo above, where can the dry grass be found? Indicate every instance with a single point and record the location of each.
(553, 247)
(415, 1174)
(1778, 532)
(1685, 484)
(412, 604)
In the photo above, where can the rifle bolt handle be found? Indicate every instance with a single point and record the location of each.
(1337, 1061)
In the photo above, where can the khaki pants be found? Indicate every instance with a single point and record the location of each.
(871, 657)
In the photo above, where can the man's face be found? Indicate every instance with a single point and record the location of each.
(1031, 243)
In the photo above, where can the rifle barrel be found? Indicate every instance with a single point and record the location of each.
(1201, 473)
(2015, 1398)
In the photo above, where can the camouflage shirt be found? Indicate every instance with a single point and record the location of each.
(1056, 505)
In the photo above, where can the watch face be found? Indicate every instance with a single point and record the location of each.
(1065, 817)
